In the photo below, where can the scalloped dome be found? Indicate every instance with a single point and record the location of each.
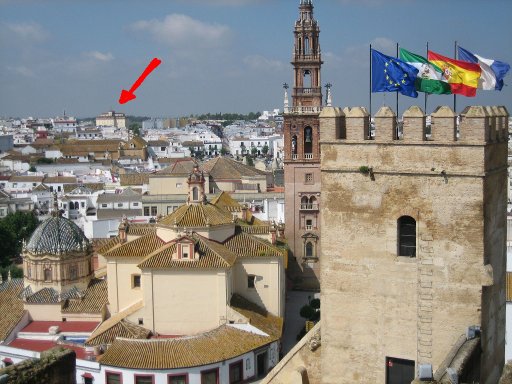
(57, 235)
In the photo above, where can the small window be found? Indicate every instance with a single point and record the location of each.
(210, 377)
(144, 379)
(135, 281)
(236, 372)
(146, 211)
(177, 379)
(82, 204)
(251, 281)
(406, 236)
(141, 321)
(153, 211)
(308, 178)
(119, 205)
(104, 205)
(72, 273)
(135, 204)
(309, 224)
(309, 249)
(113, 378)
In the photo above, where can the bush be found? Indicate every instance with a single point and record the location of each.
(315, 303)
(307, 312)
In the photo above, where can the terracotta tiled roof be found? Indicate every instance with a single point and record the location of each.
(255, 229)
(87, 146)
(60, 179)
(258, 317)
(93, 299)
(92, 186)
(179, 167)
(43, 296)
(140, 247)
(197, 215)
(118, 326)
(105, 245)
(245, 245)
(220, 344)
(26, 179)
(158, 143)
(226, 168)
(140, 229)
(11, 306)
(127, 195)
(40, 188)
(226, 202)
(211, 255)
(134, 179)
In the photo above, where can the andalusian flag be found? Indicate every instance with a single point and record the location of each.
(493, 71)
(430, 77)
(462, 76)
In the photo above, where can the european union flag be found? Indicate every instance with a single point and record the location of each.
(390, 74)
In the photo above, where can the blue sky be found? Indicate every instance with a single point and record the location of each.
(224, 55)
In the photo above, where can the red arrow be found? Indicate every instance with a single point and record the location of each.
(127, 96)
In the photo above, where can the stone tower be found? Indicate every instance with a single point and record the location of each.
(414, 242)
(302, 151)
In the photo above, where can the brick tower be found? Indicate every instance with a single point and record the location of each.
(302, 151)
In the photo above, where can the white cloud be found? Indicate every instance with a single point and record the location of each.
(384, 44)
(260, 62)
(100, 56)
(183, 31)
(29, 31)
(22, 70)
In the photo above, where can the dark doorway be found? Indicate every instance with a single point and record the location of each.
(261, 365)
(399, 371)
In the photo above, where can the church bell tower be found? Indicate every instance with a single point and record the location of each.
(302, 150)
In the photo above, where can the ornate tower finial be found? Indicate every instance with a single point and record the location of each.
(196, 181)
(285, 86)
(328, 99)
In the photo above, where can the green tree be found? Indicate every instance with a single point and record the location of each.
(223, 151)
(250, 161)
(135, 128)
(254, 151)
(32, 169)
(14, 228)
(264, 150)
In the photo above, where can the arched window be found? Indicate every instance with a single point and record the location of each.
(306, 45)
(308, 140)
(309, 249)
(71, 205)
(294, 145)
(406, 236)
(48, 274)
(195, 194)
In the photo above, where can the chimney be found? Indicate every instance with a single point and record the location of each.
(244, 212)
(123, 228)
(273, 234)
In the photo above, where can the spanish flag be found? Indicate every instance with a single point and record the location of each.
(462, 76)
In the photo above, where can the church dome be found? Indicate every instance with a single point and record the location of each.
(57, 235)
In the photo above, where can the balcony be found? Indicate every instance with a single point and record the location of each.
(309, 227)
(308, 156)
(303, 110)
(309, 207)
(295, 156)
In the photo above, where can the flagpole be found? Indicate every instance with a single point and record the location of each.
(370, 122)
(397, 128)
(455, 95)
(397, 91)
(426, 94)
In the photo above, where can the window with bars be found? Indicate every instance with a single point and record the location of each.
(406, 236)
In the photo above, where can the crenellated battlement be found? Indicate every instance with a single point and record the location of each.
(474, 125)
